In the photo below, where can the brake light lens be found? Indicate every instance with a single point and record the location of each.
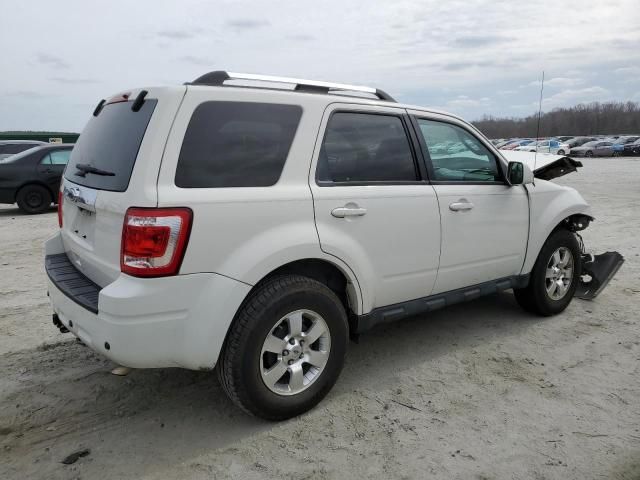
(154, 241)
(60, 199)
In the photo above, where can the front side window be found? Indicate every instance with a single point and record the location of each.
(236, 144)
(362, 147)
(456, 155)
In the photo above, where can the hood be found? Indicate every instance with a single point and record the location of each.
(545, 166)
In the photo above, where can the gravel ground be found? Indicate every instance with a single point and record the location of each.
(480, 390)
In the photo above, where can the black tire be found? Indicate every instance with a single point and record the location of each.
(560, 152)
(589, 153)
(240, 363)
(535, 298)
(33, 199)
(616, 154)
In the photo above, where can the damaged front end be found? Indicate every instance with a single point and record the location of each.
(544, 166)
(597, 270)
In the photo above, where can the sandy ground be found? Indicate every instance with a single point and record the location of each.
(481, 390)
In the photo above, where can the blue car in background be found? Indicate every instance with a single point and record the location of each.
(618, 146)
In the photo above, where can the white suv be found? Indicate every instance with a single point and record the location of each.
(254, 224)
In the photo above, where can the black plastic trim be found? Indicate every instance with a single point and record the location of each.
(70, 281)
(398, 311)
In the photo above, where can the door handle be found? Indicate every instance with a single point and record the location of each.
(460, 206)
(348, 211)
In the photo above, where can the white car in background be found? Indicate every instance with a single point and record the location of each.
(546, 146)
(254, 230)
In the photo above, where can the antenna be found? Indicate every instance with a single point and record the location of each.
(535, 156)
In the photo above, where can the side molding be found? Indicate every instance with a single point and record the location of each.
(398, 311)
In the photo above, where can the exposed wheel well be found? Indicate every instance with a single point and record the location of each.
(322, 271)
(574, 223)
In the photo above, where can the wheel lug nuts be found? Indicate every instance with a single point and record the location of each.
(290, 362)
(292, 341)
(285, 353)
(301, 342)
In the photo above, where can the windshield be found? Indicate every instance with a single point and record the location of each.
(110, 143)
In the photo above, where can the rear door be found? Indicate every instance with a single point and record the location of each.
(485, 222)
(374, 208)
(52, 166)
(124, 147)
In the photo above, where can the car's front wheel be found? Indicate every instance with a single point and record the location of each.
(33, 199)
(554, 277)
(560, 152)
(589, 153)
(285, 348)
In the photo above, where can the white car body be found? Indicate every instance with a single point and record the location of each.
(409, 246)
(546, 146)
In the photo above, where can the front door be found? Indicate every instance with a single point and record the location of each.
(485, 222)
(374, 208)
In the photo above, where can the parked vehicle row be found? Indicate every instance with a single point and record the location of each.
(579, 146)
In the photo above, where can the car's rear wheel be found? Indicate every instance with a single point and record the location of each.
(285, 348)
(588, 153)
(33, 199)
(560, 152)
(616, 154)
(554, 277)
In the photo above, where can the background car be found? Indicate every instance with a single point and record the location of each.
(618, 146)
(11, 147)
(596, 148)
(519, 143)
(32, 178)
(632, 148)
(546, 146)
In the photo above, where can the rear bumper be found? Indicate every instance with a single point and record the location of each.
(178, 321)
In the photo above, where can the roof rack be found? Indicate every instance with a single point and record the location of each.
(218, 77)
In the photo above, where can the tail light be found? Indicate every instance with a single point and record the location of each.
(60, 200)
(154, 241)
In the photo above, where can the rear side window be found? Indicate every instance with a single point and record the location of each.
(56, 157)
(110, 143)
(363, 148)
(236, 144)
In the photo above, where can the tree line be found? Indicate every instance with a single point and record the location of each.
(584, 119)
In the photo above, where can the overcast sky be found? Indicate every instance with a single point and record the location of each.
(469, 57)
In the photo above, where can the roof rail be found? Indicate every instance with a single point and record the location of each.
(218, 77)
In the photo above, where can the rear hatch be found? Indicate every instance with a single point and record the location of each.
(114, 166)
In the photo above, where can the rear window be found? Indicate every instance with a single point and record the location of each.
(236, 144)
(110, 142)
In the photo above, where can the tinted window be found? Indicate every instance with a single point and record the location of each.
(456, 155)
(236, 144)
(59, 157)
(359, 147)
(110, 142)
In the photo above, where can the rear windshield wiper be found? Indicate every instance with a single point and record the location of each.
(84, 169)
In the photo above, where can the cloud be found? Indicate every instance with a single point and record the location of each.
(463, 101)
(574, 96)
(176, 34)
(476, 41)
(194, 60)
(241, 24)
(74, 81)
(301, 37)
(52, 60)
(557, 82)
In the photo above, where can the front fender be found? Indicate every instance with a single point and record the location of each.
(549, 204)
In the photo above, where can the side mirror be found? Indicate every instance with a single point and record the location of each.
(519, 174)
